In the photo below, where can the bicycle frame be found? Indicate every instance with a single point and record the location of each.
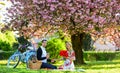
(24, 57)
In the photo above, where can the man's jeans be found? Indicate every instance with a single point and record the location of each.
(47, 65)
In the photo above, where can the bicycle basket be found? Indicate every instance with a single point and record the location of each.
(22, 48)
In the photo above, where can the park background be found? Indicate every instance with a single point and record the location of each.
(100, 58)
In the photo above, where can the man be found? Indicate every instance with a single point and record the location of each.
(43, 56)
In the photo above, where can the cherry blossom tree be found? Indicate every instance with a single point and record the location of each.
(78, 17)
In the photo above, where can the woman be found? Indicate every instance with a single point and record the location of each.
(68, 64)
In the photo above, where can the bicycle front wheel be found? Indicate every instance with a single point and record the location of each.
(13, 61)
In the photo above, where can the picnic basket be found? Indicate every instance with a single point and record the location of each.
(34, 65)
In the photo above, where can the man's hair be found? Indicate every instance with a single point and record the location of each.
(44, 40)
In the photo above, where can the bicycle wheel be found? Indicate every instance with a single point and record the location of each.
(13, 61)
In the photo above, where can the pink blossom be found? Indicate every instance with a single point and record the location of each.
(101, 19)
(35, 1)
(83, 12)
(52, 7)
(95, 20)
(49, 1)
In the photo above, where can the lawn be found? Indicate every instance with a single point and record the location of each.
(90, 67)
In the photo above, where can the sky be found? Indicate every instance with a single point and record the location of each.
(3, 9)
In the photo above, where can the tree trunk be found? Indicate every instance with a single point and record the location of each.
(77, 47)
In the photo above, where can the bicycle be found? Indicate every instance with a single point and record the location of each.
(23, 54)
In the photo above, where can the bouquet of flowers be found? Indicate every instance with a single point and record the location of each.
(64, 53)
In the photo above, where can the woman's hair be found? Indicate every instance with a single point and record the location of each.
(69, 44)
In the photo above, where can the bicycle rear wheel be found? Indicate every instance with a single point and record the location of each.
(31, 54)
(13, 61)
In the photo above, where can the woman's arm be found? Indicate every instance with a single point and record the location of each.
(72, 56)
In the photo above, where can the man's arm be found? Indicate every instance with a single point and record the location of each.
(49, 60)
(39, 54)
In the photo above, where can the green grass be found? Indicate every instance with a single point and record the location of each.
(90, 67)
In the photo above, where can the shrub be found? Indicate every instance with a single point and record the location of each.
(6, 40)
(87, 42)
(5, 46)
(54, 46)
(99, 56)
(5, 54)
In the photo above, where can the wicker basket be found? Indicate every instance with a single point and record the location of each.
(35, 65)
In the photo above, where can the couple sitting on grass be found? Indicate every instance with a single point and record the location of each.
(68, 55)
